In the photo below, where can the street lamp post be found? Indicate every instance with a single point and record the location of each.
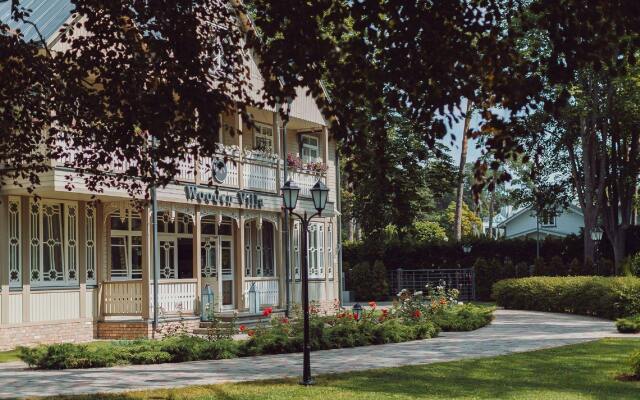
(596, 236)
(319, 195)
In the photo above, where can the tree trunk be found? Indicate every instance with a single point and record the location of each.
(457, 225)
(492, 200)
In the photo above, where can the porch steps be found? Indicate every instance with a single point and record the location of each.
(246, 319)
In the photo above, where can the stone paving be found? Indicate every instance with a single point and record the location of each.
(512, 331)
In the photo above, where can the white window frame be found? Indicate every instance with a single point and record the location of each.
(258, 133)
(306, 146)
(330, 250)
(547, 216)
(128, 236)
(296, 249)
(315, 250)
(90, 244)
(15, 242)
(68, 242)
(254, 253)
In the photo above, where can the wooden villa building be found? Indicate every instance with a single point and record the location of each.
(74, 270)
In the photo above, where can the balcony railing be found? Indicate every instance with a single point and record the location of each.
(125, 298)
(255, 171)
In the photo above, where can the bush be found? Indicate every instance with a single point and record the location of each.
(635, 364)
(628, 325)
(460, 318)
(428, 231)
(370, 283)
(609, 298)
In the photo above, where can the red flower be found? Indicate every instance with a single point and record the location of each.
(385, 312)
(417, 314)
(443, 301)
(242, 328)
(267, 311)
(251, 332)
(356, 317)
(373, 304)
(285, 320)
(341, 315)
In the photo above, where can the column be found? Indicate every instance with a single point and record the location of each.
(82, 258)
(101, 248)
(147, 263)
(241, 263)
(197, 259)
(279, 270)
(276, 143)
(4, 266)
(237, 125)
(26, 258)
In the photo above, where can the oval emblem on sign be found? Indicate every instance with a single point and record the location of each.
(219, 170)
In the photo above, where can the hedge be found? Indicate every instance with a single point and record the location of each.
(604, 297)
(628, 325)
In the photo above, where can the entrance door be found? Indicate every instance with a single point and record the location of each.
(226, 263)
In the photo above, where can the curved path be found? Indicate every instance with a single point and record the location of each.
(512, 331)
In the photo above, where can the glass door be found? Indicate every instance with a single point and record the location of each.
(226, 263)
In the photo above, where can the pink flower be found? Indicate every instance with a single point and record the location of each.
(373, 304)
(242, 328)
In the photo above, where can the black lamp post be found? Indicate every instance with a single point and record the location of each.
(319, 195)
(596, 236)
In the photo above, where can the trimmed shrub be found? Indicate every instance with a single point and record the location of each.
(603, 297)
(370, 283)
(467, 317)
(628, 325)
(634, 360)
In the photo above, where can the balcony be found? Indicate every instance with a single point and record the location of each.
(248, 169)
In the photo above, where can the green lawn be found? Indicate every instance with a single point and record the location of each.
(585, 371)
(6, 356)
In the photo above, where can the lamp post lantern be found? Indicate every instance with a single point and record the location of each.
(319, 195)
(466, 248)
(596, 236)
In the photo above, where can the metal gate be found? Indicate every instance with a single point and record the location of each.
(463, 279)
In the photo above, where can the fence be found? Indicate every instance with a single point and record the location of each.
(463, 279)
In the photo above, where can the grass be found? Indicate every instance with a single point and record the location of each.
(584, 371)
(8, 356)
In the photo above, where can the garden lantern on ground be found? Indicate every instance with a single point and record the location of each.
(357, 311)
(319, 196)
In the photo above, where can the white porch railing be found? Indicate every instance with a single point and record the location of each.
(259, 176)
(176, 295)
(305, 180)
(232, 172)
(267, 289)
(122, 298)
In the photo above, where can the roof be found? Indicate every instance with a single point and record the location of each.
(47, 15)
(550, 232)
(515, 215)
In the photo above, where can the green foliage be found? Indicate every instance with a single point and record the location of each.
(369, 283)
(428, 231)
(629, 324)
(471, 223)
(587, 295)
(634, 360)
(463, 317)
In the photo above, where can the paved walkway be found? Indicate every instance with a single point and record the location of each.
(512, 331)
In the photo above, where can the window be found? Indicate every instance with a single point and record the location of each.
(330, 250)
(315, 250)
(53, 244)
(263, 137)
(310, 148)
(15, 246)
(547, 219)
(296, 249)
(259, 253)
(126, 246)
(90, 243)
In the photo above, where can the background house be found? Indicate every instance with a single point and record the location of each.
(522, 224)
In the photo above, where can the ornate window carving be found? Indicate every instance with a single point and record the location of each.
(315, 250)
(330, 250)
(90, 243)
(296, 249)
(53, 247)
(247, 249)
(15, 245)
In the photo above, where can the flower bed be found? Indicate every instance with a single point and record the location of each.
(414, 316)
(609, 298)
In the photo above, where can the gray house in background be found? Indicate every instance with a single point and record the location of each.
(522, 224)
